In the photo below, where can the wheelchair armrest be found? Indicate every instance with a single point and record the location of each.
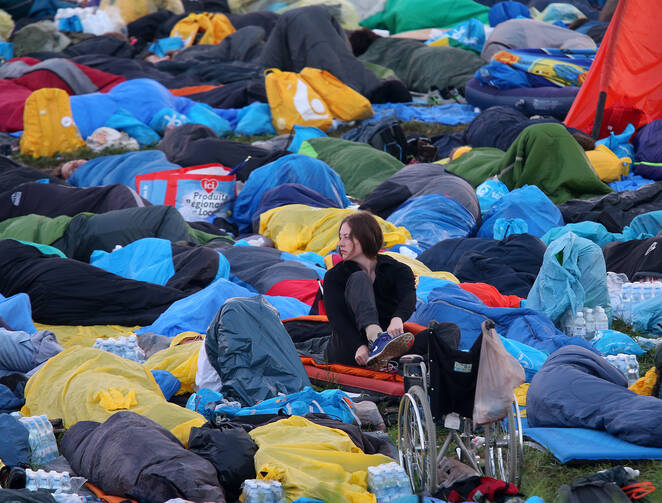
(413, 359)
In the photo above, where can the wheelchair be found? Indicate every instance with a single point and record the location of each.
(494, 449)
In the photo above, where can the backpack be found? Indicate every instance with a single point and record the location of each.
(48, 124)
(386, 135)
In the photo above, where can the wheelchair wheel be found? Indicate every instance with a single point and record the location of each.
(504, 451)
(417, 441)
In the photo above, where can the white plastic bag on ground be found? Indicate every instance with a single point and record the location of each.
(105, 137)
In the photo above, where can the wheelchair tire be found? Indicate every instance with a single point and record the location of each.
(504, 447)
(417, 441)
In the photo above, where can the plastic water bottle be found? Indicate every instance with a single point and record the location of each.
(601, 319)
(43, 446)
(580, 325)
(590, 323)
(647, 290)
(262, 491)
(626, 302)
(52, 481)
(632, 369)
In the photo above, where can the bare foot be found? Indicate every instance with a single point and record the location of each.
(67, 169)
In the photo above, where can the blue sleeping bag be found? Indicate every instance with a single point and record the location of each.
(293, 168)
(576, 388)
(451, 303)
(432, 218)
(121, 168)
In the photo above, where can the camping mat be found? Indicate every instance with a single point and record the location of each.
(569, 444)
(80, 335)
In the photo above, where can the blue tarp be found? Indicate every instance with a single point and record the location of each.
(451, 303)
(332, 402)
(568, 444)
(148, 259)
(293, 168)
(121, 168)
(528, 203)
(195, 312)
(589, 230)
(432, 218)
(452, 114)
(573, 275)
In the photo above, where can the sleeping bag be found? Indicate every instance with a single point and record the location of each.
(130, 455)
(578, 389)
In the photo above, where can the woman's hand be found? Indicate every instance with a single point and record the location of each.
(361, 355)
(395, 327)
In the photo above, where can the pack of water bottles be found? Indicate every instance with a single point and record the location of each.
(586, 323)
(43, 447)
(58, 482)
(627, 364)
(388, 482)
(126, 347)
(624, 300)
(262, 491)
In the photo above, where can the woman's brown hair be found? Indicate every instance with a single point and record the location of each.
(366, 230)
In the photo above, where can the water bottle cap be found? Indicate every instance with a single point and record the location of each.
(580, 314)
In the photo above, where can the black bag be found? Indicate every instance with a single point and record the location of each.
(386, 135)
(592, 491)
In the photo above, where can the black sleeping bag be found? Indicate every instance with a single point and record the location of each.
(615, 210)
(231, 451)
(638, 258)
(576, 388)
(195, 144)
(12, 174)
(120, 227)
(68, 292)
(417, 180)
(252, 352)
(131, 455)
(511, 265)
(310, 36)
(53, 200)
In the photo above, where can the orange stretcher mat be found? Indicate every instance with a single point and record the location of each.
(187, 91)
(350, 376)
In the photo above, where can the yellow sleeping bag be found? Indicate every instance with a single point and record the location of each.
(314, 461)
(298, 228)
(87, 384)
(180, 359)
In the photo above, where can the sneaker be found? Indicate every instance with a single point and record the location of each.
(387, 348)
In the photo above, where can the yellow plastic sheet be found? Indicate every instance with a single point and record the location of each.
(215, 28)
(520, 396)
(180, 359)
(130, 10)
(6, 25)
(420, 269)
(314, 461)
(608, 165)
(87, 384)
(298, 228)
(79, 335)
